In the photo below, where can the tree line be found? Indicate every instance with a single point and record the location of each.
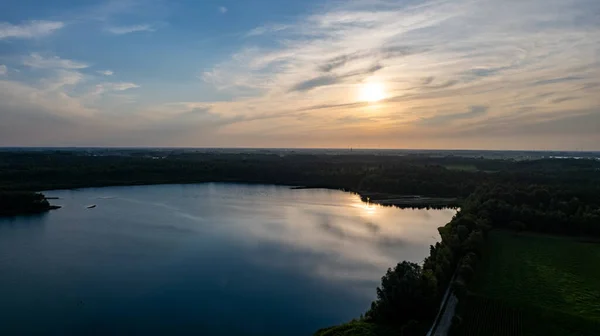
(19, 203)
(410, 294)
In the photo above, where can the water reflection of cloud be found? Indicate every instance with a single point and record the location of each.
(374, 228)
(357, 278)
(340, 243)
(329, 227)
(328, 235)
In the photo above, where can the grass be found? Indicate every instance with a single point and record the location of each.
(462, 167)
(358, 328)
(485, 316)
(552, 283)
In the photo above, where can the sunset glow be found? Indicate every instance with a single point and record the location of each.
(372, 92)
(377, 74)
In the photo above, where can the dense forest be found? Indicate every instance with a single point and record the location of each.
(409, 295)
(556, 196)
(407, 175)
(548, 199)
(19, 203)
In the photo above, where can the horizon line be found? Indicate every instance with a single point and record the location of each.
(302, 148)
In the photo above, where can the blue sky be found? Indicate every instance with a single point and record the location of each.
(447, 74)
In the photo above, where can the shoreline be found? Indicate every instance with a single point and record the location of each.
(379, 198)
(5, 214)
(409, 201)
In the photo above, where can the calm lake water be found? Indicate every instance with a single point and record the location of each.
(206, 259)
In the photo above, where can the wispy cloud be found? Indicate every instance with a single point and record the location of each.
(62, 78)
(29, 29)
(111, 87)
(433, 58)
(267, 29)
(454, 76)
(120, 86)
(35, 60)
(122, 30)
(314, 83)
(3, 70)
(223, 10)
(446, 119)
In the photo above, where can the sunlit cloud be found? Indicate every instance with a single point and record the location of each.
(29, 29)
(105, 88)
(269, 29)
(447, 119)
(122, 30)
(36, 60)
(436, 59)
(362, 73)
(120, 86)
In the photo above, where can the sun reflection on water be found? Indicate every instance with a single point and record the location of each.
(369, 209)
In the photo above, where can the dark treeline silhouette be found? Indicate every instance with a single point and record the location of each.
(407, 175)
(410, 294)
(19, 203)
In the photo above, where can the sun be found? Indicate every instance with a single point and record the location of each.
(372, 92)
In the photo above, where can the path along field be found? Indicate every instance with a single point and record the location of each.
(535, 285)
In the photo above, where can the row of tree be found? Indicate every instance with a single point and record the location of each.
(19, 203)
(409, 295)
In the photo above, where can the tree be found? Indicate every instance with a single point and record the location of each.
(459, 288)
(406, 293)
(517, 226)
(474, 243)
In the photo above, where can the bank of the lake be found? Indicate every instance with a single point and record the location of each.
(23, 203)
(219, 259)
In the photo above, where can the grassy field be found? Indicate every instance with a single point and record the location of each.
(462, 167)
(358, 329)
(539, 285)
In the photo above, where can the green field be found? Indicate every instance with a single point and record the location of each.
(535, 285)
(461, 167)
(357, 328)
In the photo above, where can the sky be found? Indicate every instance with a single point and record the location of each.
(456, 74)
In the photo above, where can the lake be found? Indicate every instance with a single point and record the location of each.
(202, 259)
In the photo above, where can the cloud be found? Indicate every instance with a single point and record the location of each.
(111, 87)
(314, 83)
(3, 70)
(122, 30)
(333, 106)
(267, 29)
(444, 119)
(341, 60)
(558, 80)
(427, 80)
(105, 72)
(121, 86)
(428, 59)
(29, 29)
(445, 63)
(50, 95)
(222, 10)
(443, 85)
(62, 78)
(563, 99)
(36, 60)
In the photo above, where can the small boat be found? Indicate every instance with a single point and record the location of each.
(91, 206)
